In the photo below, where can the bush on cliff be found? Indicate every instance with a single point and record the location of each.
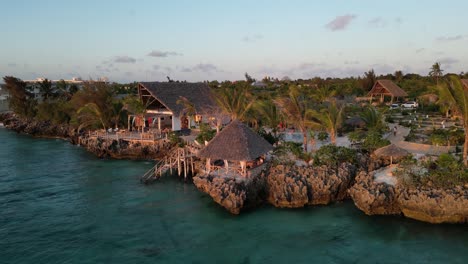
(334, 155)
(445, 172)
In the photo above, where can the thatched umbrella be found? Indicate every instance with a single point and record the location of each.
(236, 142)
(391, 151)
(355, 122)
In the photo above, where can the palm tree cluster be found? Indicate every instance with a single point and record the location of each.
(300, 108)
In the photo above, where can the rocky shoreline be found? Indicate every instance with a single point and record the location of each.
(102, 148)
(283, 186)
(420, 203)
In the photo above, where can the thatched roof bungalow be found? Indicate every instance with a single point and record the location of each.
(235, 143)
(384, 88)
(161, 99)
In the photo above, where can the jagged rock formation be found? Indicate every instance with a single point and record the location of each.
(421, 203)
(39, 128)
(234, 194)
(295, 186)
(374, 198)
(435, 205)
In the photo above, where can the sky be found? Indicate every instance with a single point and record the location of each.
(201, 40)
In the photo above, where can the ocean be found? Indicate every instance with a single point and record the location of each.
(60, 204)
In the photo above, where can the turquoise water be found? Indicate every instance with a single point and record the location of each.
(59, 204)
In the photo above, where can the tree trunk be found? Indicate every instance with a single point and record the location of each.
(304, 139)
(333, 136)
(465, 148)
(312, 143)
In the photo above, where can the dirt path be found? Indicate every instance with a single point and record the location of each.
(414, 148)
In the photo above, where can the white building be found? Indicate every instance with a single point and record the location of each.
(161, 99)
(34, 85)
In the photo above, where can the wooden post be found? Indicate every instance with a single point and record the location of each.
(208, 165)
(185, 164)
(128, 123)
(227, 165)
(178, 162)
(191, 164)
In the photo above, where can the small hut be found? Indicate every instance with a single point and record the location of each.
(391, 151)
(384, 88)
(236, 144)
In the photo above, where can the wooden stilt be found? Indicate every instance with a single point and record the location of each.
(185, 165)
(191, 165)
(178, 162)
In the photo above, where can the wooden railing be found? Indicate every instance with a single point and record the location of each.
(127, 135)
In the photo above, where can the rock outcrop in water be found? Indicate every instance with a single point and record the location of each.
(295, 186)
(234, 194)
(374, 198)
(421, 203)
(39, 128)
(435, 205)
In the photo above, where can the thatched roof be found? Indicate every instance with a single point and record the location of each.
(387, 87)
(168, 93)
(391, 151)
(465, 83)
(355, 121)
(236, 142)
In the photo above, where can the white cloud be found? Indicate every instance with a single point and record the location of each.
(340, 22)
(163, 54)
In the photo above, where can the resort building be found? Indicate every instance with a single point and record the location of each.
(176, 105)
(386, 88)
(235, 151)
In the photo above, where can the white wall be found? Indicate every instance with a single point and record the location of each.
(175, 123)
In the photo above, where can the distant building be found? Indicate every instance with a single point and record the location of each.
(34, 85)
(386, 88)
(4, 95)
(259, 84)
(3, 92)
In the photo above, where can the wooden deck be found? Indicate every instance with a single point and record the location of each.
(128, 136)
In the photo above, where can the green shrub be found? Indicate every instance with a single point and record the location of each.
(322, 136)
(373, 140)
(206, 133)
(175, 139)
(446, 172)
(334, 155)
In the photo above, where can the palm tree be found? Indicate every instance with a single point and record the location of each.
(459, 97)
(235, 101)
(323, 94)
(373, 119)
(296, 111)
(90, 114)
(268, 113)
(445, 100)
(436, 72)
(188, 108)
(46, 90)
(398, 76)
(330, 118)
